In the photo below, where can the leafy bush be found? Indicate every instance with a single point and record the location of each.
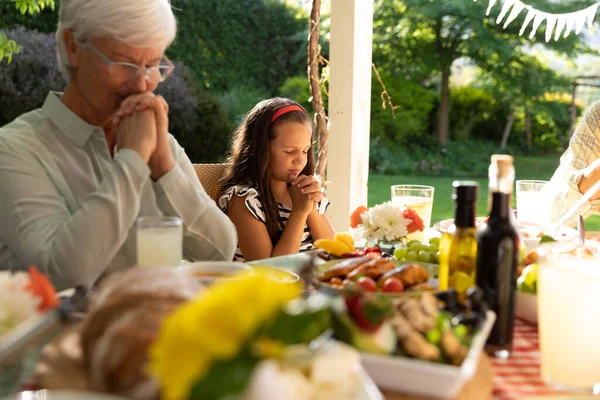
(462, 159)
(239, 100)
(46, 21)
(411, 121)
(476, 113)
(25, 82)
(297, 88)
(550, 120)
(253, 43)
(197, 118)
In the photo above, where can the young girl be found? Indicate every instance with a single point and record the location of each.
(270, 191)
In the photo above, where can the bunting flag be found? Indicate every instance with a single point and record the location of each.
(555, 23)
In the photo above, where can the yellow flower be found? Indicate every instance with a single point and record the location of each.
(265, 347)
(214, 326)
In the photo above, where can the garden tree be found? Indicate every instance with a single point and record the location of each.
(522, 82)
(8, 47)
(421, 39)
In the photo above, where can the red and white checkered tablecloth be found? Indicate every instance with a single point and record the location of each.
(519, 376)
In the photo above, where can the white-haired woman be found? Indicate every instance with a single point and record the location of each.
(75, 174)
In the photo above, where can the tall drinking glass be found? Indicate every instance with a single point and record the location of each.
(569, 317)
(159, 241)
(532, 205)
(417, 197)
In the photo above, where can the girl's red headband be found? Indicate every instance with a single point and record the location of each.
(285, 110)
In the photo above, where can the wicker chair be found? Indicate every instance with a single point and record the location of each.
(209, 176)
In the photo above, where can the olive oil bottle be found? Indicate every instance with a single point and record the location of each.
(458, 247)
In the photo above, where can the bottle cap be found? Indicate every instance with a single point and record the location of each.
(465, 191)
(503, 164)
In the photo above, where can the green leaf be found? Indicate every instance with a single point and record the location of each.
(547, 239)
(226, 379)
(302, 321)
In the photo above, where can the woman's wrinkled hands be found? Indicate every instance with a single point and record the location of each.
(161, 160)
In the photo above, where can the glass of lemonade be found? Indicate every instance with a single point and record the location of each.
(417, 197)
(159, 241)
(531, 202)
(569, 317)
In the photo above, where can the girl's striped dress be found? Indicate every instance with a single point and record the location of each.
(253, 203)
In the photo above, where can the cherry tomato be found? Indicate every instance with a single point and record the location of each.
(356, 216)
(392, 285)
(366, 283)
(356, 309)
(368, 250)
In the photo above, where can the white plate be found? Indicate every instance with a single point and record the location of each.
(425, 378)
(526, 307)
(213, 269)
(292, 262)
(62, 395)
(528, 231)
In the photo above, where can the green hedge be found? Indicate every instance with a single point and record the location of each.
(251, 43)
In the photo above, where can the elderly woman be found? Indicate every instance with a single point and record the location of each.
(76, 173)
(579, 170)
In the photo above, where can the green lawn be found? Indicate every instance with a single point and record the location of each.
(443, 207)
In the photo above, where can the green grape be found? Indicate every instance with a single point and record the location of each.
(435, 240)
(461, 331)
(437, 256)
(400, 253)
(417, 247)
(423, 256)
(411, 242)
(412, 255)
(432, 258)
(434, 336)
(432, 248)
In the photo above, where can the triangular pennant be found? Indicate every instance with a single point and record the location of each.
(580, 18)
(591, 14)
(490, 5)
(507, 5)
(528, 18)
(570, 24)
(550, 22)
(555, 23)
(560, 24)
(516, 10)
(537, 21)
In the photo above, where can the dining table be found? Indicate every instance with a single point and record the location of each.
(517, 377)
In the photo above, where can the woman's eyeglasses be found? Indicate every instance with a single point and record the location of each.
(125, 71)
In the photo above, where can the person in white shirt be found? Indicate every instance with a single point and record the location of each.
(77, 173)
(579, 170)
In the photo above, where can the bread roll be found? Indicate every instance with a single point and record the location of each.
(115, 340)
(167, 281)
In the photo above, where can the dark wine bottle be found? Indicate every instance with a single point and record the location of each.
(498, 256)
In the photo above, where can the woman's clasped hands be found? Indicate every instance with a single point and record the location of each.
(142, 124)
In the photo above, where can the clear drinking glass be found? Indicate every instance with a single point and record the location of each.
(159, 241)
(569, 317)
(417, 197)
(532, 203)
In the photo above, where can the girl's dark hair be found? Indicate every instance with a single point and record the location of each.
(249, 158)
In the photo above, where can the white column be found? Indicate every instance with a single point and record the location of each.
(349, 107)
